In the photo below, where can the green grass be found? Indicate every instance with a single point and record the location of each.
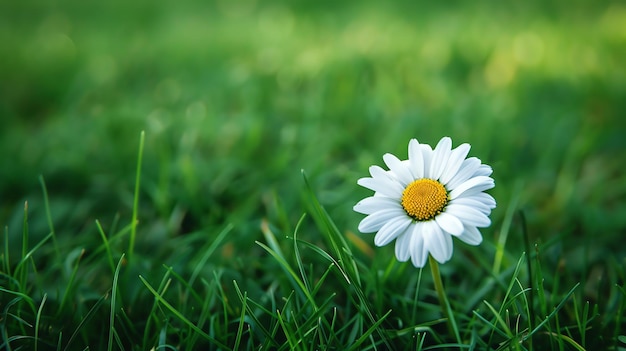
(182, 175)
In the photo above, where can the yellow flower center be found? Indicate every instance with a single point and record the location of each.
(424, 199)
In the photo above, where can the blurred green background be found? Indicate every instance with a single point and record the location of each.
(236, 97)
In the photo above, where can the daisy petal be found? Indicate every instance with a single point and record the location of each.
(474, 202)
(465, 172)
(477, 190)
(427, 155)
(457, 156)
(449, 223)
(403, 243)
(377, 220)
(382, 182)
(391, 230)
(379, 186)
(441, 154)
(486, 199)
(484, 170)
(416, 159)
(373, 204)
(473, 185)
(438, 242)
(469, 215)
(471, 236)
(419, 252)
(402, 173)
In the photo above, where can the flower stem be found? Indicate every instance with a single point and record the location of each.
(443, 299)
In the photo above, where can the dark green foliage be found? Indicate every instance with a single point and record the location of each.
(236, 98)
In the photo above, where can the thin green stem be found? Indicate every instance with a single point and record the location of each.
(443, 299)
(133, 230)
(531, 277)
(38, 320)
(107, 246)
(49, 215)
(24, 271)
(114, 291)
(506, 228)
(6, 262)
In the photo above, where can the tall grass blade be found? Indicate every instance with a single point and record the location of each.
(38, 320)
(70, 284)
(86, 319)
(21, 269)
(506, 228)
(244, 301)
(345, 258)
(567, 339)
(368, 332)
(23, 272)
(297, 254)
(133, 231)
(20, 296)
(505, 330)
(620, 316)
(208, 252)
(531, 276)
(337, 242)
(107, 246)
(46, 203)
(180, 315)
(291, 274)
(206, 312)
(251, 314)
(554, 312)
(165, 282)
(113, 303)
(6, 261)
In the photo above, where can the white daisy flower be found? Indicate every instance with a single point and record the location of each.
(424, 201)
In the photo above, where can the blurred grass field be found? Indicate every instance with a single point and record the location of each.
(237, 97)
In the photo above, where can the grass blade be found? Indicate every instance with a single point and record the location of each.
(23, 272)
(505, 228)
(244, 301)
(38, 319)
(133, 231)
(257, 323)
(163, 286)
(46, 203)
(554, 312)
(107, 246)
(293, 276)
(68, 287)
(180, 315)
(90, 314)
(6, 262)
(369, 332)
(298, 256)
(345, 259)
(113, 303)
(208, 252)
